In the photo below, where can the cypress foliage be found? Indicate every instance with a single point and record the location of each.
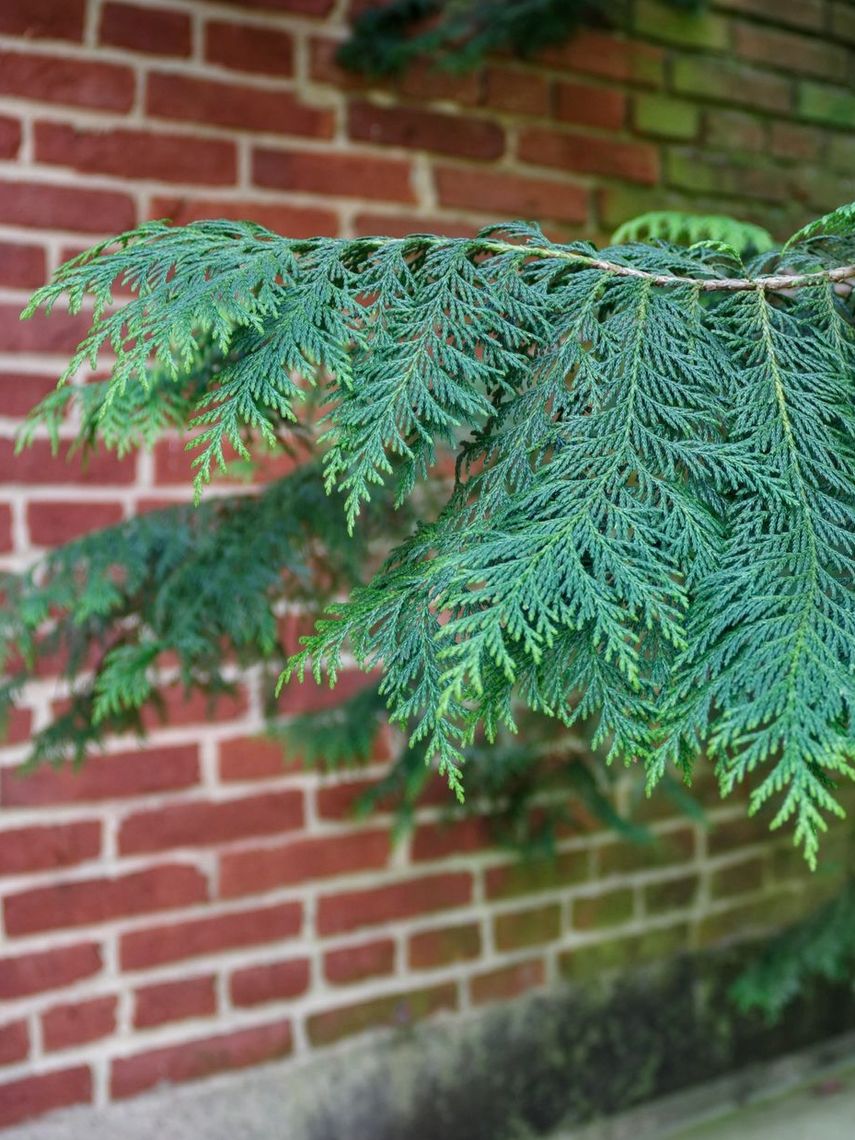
(651, 524)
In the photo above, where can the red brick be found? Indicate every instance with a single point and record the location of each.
(156, 946)
(243, 47)
(41, 970)
(88, 901)
(598, 53)
(590, 106)
(292, 221)
(254, 758)
(518, 91)
(48, 207)
(232, 105)
(127, 153)
(14, 1043)
(21, 391)
(44, 19)
(22, 266)
(507, 982)
(173, 464)
(274, 981)
(300, 697)
(343, 912)
(190, 1061)
(51, 523)
(180, 708)
(32, 1096)
(36, 464)
(6, 544)
(10, 137)
(77, 1023)
(69, 82)
(390, 1011)
(202, 824)
(341, 175)
(425, 130)
(157, 31)
(174, 1001)
(636, 162)
(59, 333)
(444, 838)
(510, 195)
(264, 869)
(791, 52)
(339, 800)
(431, 949)
(164, 769)
(356, 963)
(26, 849)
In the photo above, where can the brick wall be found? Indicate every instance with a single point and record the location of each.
(194, 906)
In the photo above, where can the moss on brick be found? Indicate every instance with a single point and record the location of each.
(665, 117)
(822, 104)
(699, 29)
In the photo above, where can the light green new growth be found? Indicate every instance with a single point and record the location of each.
(652, 523)
(695, 229)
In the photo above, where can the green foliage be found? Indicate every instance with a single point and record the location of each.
(741, 239)
(650, 530)
(820, 946)
(457, 34)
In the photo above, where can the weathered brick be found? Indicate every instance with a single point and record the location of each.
(510, 195)
(609, 909)
(273, 981)
(155, 31)
(738, 878)
(541, 874)
(583, 154)
(318, 857)
(201, 823)
(25, 849)
(69, 82)
(735, 130)
(136, 154)
(40, 970)
(343, 912)
(185, 98)
(123, 774)
(671, 894)
(390, 1011)
(14, 1044)
(425, 130)
(450, 837)
(527, 927)
(600, 53)
(624, 855)
(700, 28)
(78, 1023)
(742, 831)
(664, 117)
(586, 962)
(843, 20)
(52, 522)
(159, 945)
(32, 1096)
(798, 13)
(728, 81)
(179, 1000)
(192, 1060)
(824, 104)
(356, 963)
(42, 205)
(587, 106)
(794, 142)
(244, 47)
(340, 175)
(431, 949)
(507, 982)
(84, 902)
(787, 50)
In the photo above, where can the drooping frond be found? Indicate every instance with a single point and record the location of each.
(651, 518)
